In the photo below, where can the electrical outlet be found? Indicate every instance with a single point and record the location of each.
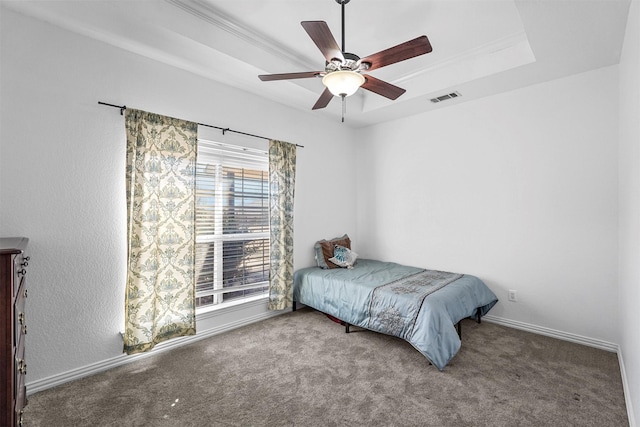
(513, 295)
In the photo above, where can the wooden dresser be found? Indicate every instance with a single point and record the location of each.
(13, 292)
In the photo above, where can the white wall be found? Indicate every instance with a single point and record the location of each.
(62, 175)
(519, 189)
(630, 209)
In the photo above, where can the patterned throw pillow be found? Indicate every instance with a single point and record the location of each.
(344, 257)
(324, 250)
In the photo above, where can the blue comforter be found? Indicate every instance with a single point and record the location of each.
(420, 306)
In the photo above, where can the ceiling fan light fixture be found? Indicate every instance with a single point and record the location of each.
(343, 82)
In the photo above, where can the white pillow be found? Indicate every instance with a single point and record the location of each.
(343, 257)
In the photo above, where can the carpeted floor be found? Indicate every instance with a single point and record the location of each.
(301, 369)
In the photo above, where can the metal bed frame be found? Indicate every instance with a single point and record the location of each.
(458, 325)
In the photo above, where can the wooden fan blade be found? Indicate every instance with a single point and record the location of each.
(324, 99)
(321, 35)
(288, 76)
(412, 48)
(382, 88)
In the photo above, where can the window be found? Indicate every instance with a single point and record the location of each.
(232, 224)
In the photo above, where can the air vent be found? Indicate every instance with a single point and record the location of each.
(445, 97)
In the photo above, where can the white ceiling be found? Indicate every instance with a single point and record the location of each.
(480, 47)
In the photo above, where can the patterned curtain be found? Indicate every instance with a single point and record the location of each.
(282, 178)
(160, 294)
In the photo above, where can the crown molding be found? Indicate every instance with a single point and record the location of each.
(492, 47)
(210, 14)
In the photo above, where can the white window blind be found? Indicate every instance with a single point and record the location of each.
(232, 224)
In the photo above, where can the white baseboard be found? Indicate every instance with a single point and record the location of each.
(94, 368)
(625, 388)
(553, 333)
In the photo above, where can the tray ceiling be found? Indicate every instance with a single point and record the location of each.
(480, 47)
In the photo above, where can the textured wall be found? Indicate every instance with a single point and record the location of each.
(630, 207)
(62, 175)
(519, 189)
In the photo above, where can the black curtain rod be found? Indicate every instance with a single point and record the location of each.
(224, 130)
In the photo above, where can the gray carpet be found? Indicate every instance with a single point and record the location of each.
(301, 369)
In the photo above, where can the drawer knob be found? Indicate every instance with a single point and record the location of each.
(22, 367)
(22, 272)
(21, 318)
(24, 329)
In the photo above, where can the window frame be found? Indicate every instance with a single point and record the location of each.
(222, 155)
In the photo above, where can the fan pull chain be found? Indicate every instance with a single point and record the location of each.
(344, 106)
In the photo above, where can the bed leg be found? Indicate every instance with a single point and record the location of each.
(479, 315)
(459, 329)
(346, 327)
(294, 306)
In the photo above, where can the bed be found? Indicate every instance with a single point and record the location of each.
(420, 306)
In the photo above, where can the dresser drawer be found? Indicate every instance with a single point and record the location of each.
(20, 320)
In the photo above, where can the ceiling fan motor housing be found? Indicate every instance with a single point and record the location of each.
(351, 63)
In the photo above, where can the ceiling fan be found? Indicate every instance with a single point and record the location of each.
(343, 73)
